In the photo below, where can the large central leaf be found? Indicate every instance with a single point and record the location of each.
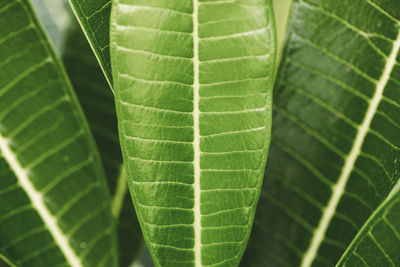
(193, 82)
(335, 143)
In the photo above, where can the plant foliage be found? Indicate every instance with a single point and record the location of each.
(178, 96)
(194, 121)
(335, 142)
(55, 207)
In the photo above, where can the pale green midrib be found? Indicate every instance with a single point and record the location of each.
(37, 200)
(395, 189)
(339, 188)
(77, 110)
(197, 234)
(196, 138)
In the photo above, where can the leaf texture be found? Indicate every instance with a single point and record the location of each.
(98, 104)
(378, 242)
(193, 83)
(94, 17)
(335, 141)
(54, 204)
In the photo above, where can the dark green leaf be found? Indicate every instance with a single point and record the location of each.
(54, 203)
(378, 242)
(193, 84)
(94, 17)
(335, 141)
(98, 104)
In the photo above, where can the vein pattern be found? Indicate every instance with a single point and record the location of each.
(193, 84)
(94, 18)
(335, 125)
(53, 195)
(97, 102)
(352, 156)
(381, 233)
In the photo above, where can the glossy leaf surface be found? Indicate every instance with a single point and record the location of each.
(378, 242)
(98, 105)
(193, 83)
(335, 141)
(54, 203)
(94, 17)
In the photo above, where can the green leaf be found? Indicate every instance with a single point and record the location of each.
(193, 84)
(54, 203)
(377, 243)
(281, 11)
(94, 17)
(335, 142)
(4, 262)
(98, 104)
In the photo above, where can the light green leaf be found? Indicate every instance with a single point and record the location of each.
(335, 142)
(98, 104)
(378, 242)
(94, 17)
(193, 84)
(54, 204)
(281, 11)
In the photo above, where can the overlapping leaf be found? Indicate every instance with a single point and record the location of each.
(54, 203)
(378, 242)
(193, 83)
(94, 17)
(335, 142)
(98, 104)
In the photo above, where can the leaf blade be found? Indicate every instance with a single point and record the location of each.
(328, 71)
(379, 235)
(354, 153)
(98, 104)
(170, 80)
(94, 17)
(35, 91)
